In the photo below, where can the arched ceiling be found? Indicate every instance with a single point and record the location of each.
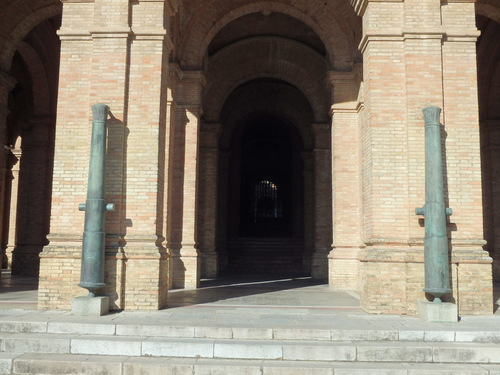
(331, 27)
(267, 57)
(489, 9)
(17, 19)
(261, 97)
(266, 24)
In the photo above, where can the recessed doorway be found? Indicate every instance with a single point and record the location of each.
(265, 198)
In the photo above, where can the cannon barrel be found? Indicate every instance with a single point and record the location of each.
(92, 270)
(437, 269)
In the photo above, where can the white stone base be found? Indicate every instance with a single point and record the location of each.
(444, 312)
(90, 306)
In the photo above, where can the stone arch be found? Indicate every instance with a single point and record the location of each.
(484, 8)
(236, 108)
(41, 97)
(21, 22)
(337, 37)
(291, 62)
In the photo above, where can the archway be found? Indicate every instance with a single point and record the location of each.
(264, 208)
(29, 141)
(264, 70)
(265, 199)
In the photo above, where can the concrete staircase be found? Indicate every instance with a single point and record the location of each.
(61, 344)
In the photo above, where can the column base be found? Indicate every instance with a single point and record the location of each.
(343, 268)
(209, 264)
(319, 268)
(26, 260)
(146, 282)
(186, 267)
(59, 276)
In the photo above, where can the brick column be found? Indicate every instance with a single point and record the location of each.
(147, 259)
(322, 201)
(111, 53)
(222, 209)
(183, 244)
(9, 225)
(472, 281)
(207, 207)
(414, 56)
(490, 132)
(346, 184)
(32, 226)
(309, 212)
(7, 83)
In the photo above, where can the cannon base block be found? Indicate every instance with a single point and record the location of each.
(90, 306)
(444, 312)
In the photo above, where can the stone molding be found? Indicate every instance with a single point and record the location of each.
(193, 76)
(360, 5)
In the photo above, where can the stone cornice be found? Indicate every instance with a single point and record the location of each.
(115, 32)
(347, 78)
(398, 35)
(360, 5)
(74, 34)
(193, 76)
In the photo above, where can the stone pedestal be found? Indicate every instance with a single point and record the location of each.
(90, 306)
(443, 312)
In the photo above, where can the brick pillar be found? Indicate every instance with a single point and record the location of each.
(111, 54)
(32, 226)
(473, 284)
(346, 160)
(490, 130)
(207, 207)
(7, 83)
(9, 225)
(60, 260)
(222, 209)
(147, 259)
(309, 212)
(419, 53)
(183, 244)
(322, 201)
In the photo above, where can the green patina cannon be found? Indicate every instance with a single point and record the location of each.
(92, 272)
(437, 268)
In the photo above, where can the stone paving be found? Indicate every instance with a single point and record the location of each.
(258, 302)
(256, 326)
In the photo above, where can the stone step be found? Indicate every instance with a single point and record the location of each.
(420, 333)
(65, 364)
(266, 255)
(287, 350)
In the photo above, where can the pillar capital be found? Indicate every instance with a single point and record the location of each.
(189, 89)
(193, 76)
(345, 89)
